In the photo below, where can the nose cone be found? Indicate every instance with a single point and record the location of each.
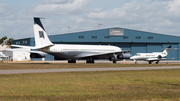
(132, 57)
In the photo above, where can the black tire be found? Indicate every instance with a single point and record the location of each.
(89, 61)
(150, 62)
(157, 62)
(71, 61)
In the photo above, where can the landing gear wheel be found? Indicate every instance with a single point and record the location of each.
(114, 61)
(150, 62)
(71, 61)
(157, 62)
(89, 61)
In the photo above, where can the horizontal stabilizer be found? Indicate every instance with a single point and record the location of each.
(21, 46)
(30, 47)
(43, 47)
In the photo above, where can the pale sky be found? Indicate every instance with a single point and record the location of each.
(158, 16)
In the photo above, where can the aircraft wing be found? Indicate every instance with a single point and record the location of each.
(155, 59)
(85, 55)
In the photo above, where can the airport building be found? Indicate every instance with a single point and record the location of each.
(19, 54)
(127, 39)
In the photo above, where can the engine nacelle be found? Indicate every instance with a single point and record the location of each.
(113, 58)
(159, 56)
(124, 56)
(37, 55)
(120, 57)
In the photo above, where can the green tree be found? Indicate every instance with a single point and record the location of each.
(9, 42)
(4, 41)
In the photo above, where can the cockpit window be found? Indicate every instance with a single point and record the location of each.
(137, 55)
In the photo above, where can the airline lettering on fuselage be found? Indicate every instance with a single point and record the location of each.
(41, 34)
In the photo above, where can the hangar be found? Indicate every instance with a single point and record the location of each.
(126, 39)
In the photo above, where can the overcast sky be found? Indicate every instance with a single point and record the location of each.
(159, 16)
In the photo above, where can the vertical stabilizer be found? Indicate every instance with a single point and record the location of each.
(41, 38)
(166, 50)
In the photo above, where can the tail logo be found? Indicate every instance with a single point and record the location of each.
(41, 34)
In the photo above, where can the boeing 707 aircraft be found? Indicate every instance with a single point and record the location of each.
(150, 57)
(74, 52)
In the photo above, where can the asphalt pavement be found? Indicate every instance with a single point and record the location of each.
(25, 71)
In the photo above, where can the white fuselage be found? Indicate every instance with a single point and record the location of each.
(64, 51)
(149, 56)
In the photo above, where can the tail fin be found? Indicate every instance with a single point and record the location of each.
(166, 50)
(41, 38)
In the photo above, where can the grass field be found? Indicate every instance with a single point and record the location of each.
(10, 66)
(92, 86)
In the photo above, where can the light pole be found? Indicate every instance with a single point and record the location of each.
(99, 25)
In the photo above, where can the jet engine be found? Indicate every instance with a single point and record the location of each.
(37, 55)
(124, 56)
(120, 57)
(113, 58)
(159, 56)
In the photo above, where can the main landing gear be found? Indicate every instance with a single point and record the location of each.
(71, 61)
(89, 61)
(114, 61)
(150, 62)
(157, 62)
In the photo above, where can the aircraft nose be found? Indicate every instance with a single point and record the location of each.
(132, 57)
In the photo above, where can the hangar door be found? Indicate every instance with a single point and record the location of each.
(154, 48)
(138, 48)
(124, 46)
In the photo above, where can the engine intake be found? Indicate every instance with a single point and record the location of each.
(124, 56)
(37, 55)
(120, 57)
(159, 56)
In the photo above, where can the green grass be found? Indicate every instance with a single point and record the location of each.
(92, 86)
(10, 66)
